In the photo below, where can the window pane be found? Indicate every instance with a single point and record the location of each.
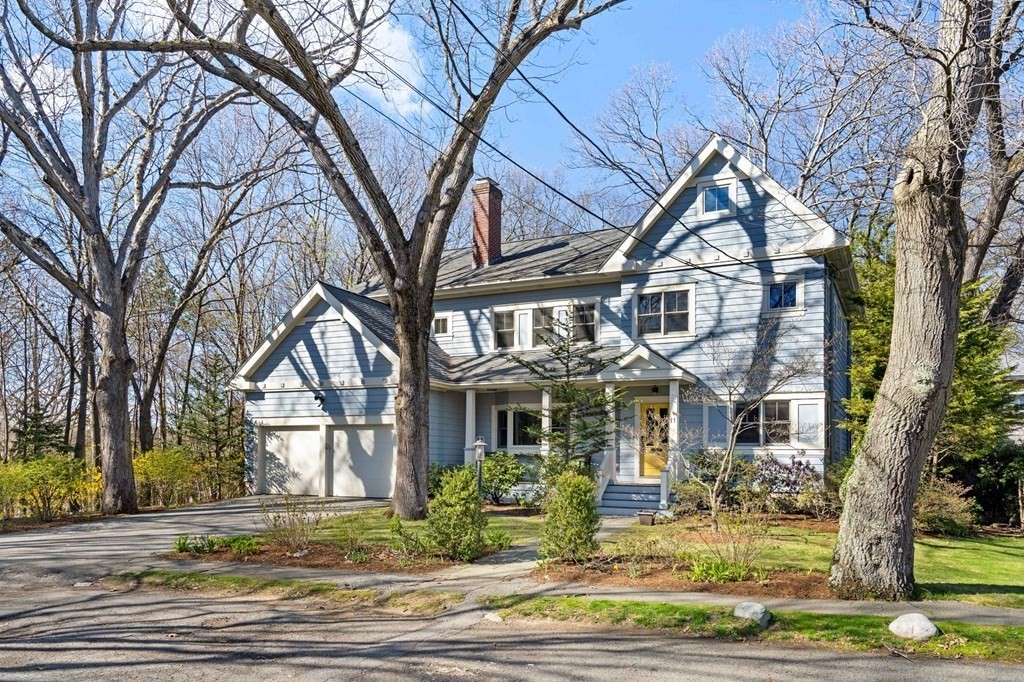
(522, 425)
(585, 322)
(776, 421)
(649, 324)
(716, 199)
(648, 304)
(782, 295)
(750, 425)
(502, 429)
(677, 322)
(543, 325)
(677, 301)
(504, 330)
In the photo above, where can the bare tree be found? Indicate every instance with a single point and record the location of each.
(104, 135)
(875, 550)
(295, 60)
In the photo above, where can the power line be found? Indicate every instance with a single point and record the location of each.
(688, 263)
(650, 191)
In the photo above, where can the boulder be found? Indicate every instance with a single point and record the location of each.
(751, 610)
(914, 626)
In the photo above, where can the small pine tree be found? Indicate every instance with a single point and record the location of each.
(36, 435)
(580, 415)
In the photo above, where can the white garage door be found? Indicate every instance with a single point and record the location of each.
(364, 461)
(293, 460)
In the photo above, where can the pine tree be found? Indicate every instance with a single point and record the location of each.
(36, 435)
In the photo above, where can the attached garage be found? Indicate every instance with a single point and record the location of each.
(363, 460)
(292, 460)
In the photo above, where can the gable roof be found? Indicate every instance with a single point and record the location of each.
(372, 319)
(529, 259)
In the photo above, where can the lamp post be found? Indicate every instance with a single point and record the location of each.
(479, 452)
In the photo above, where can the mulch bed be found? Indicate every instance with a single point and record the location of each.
(326, 555)
(512, 509)
(780, 584)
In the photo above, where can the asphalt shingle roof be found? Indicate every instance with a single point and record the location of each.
(568, 254)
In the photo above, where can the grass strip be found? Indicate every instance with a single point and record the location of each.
(419, 602)
(839, 632)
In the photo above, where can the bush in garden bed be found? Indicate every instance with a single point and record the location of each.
(455, 517)
(571, 525)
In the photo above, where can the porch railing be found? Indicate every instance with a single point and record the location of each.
(605, 473)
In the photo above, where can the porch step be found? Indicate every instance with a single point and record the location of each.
(626, 499)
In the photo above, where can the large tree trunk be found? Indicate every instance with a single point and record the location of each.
(874, 555)
(112, 383)
(412, 406)
(145, 420)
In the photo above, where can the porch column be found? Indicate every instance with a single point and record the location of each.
(673, 441)
(609, 464)
(545, 420)
(470, 425)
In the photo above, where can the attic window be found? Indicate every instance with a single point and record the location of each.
(716, 199)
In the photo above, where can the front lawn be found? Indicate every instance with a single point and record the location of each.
(843, 633)
(983, 570)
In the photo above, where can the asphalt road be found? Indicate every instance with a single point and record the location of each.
(48, 633)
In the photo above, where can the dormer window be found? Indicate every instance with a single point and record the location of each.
(716, 198)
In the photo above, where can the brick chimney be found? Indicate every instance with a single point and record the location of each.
(486, 222)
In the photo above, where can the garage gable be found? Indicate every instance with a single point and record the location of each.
(319, 343)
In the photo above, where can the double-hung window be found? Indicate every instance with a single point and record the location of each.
(663, 312)
(505, 329)
(543, 326)
(764, 424)
(585, 322)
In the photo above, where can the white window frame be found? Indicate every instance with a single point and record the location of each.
(510, 409)
(795, 400)
(517, 310)
(691, 333)
(783, 312)
(729, 182)
(443, 316)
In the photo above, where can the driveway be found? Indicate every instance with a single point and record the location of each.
(86, 551)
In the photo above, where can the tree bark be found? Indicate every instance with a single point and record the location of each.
(874, 555)
(412, 402)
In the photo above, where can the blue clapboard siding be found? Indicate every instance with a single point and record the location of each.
(377, 400)
(838, 376)
(323, 350)
(471, 316)
(447, 427)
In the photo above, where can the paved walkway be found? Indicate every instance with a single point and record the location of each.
(88, 551)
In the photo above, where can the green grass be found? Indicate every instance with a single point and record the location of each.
(375, 527)
(981, 570)
(415, 601)
(844, 633)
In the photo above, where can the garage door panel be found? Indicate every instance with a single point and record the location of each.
(293, 462)
(363, 461)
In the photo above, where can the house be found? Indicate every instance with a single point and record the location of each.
(722, 251)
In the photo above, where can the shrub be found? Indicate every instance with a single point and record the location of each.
(944, 507)
(570, 528)
(13, 485)
(293, 523)
(501, 472)
(435, 474)
(455, 518)
(166, 476)
(690, 497)
(52, 484)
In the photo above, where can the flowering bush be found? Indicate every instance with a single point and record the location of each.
(794, 487)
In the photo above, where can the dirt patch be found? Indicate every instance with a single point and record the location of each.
(512, 510)
(655, 576)
(327, 555)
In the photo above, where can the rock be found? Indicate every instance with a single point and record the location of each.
(83, 584)
(914, 626)
(301, 553)
(751, 610)
(493, 617)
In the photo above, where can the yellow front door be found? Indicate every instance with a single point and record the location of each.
(654, 425)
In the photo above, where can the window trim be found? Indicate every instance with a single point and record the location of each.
(691, 333)
(728, 182)
(449, 316)
(510, 410)
(800, 307)
(518, 308)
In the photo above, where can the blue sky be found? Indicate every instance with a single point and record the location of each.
(676, 32)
